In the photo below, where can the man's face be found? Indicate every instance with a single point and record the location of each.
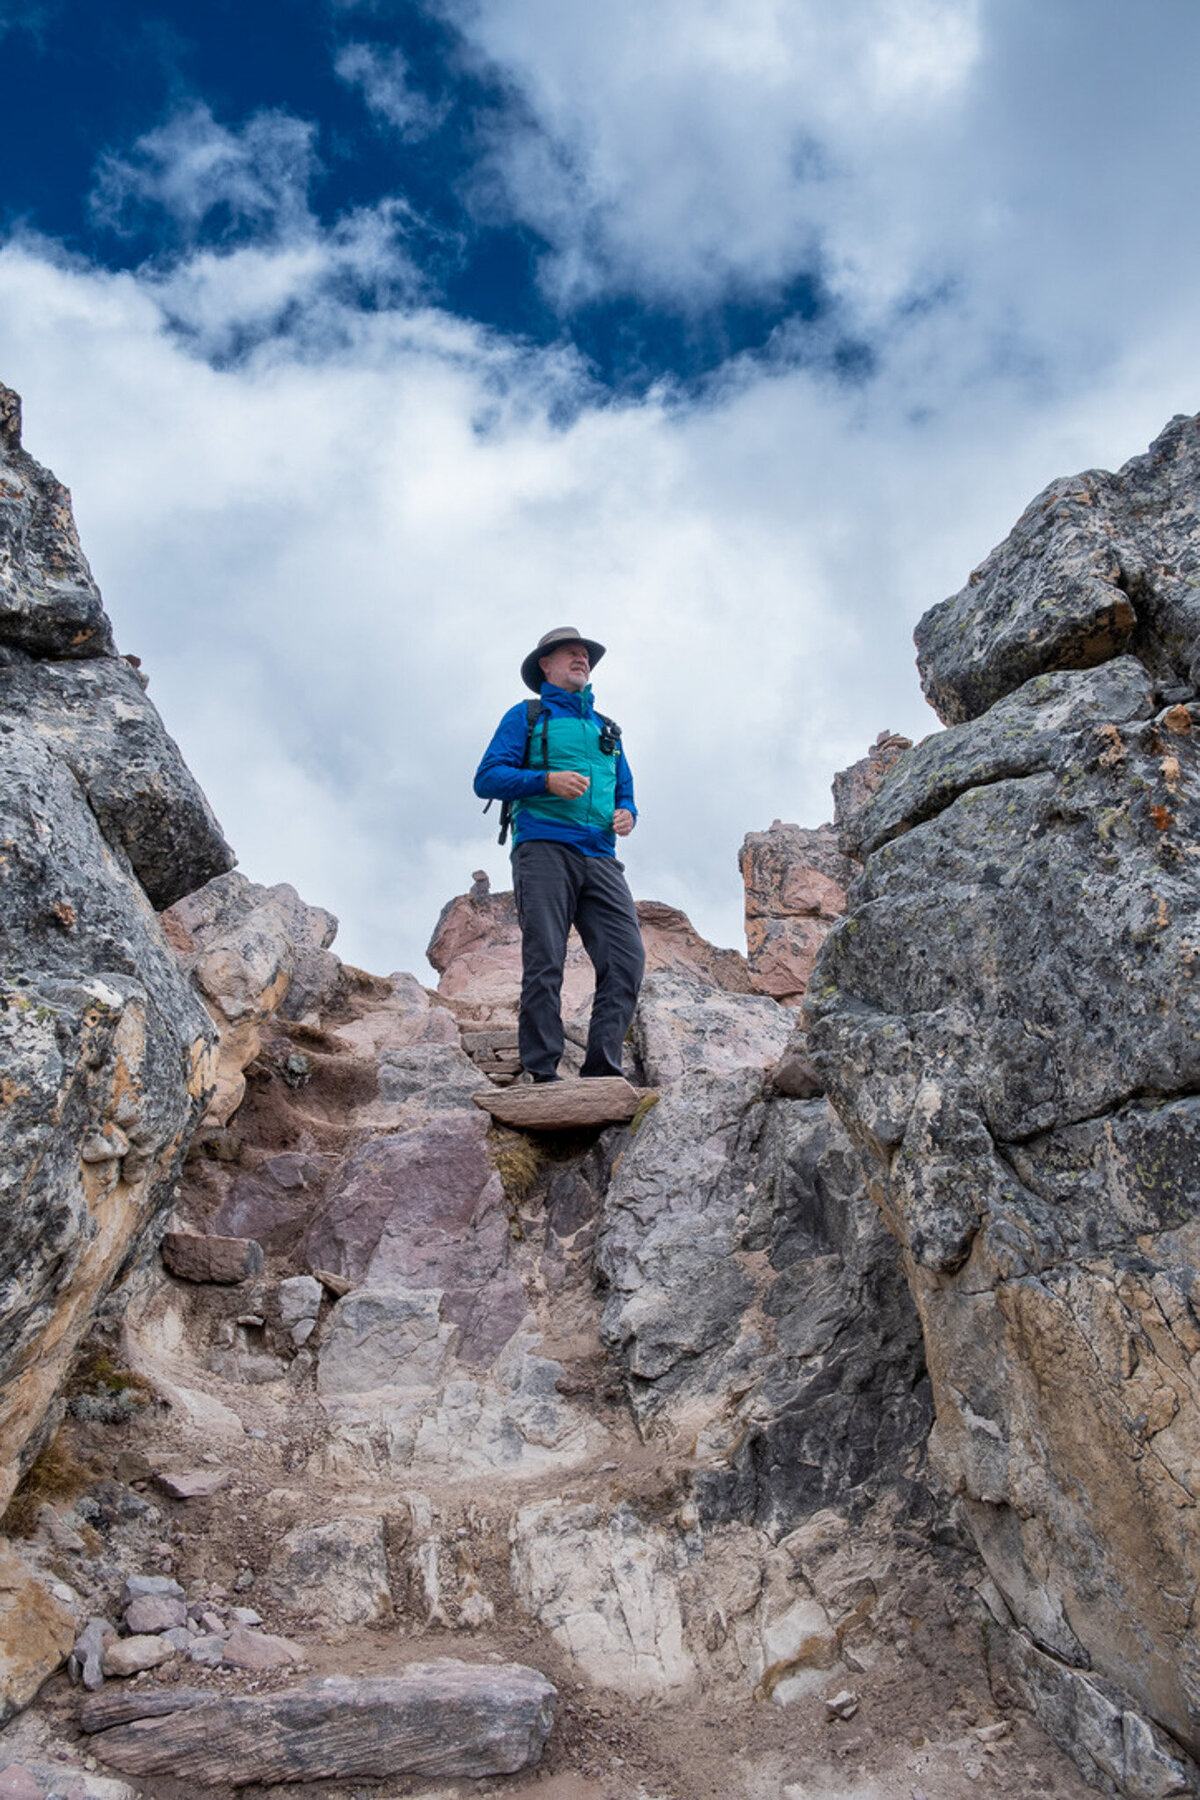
(567, 666)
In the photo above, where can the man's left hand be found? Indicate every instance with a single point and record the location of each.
(622, 822)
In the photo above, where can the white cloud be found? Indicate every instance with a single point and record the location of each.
(333, 554)
(383, 77)
(683, 150)
(259, 175)
(332, 532)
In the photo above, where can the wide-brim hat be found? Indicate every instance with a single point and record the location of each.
(531, 675)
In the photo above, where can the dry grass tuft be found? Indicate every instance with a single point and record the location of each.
(517, 1159)
(57, 1473)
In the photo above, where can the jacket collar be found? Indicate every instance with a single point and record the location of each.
(561, 697)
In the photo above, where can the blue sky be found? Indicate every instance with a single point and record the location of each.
(373, 339)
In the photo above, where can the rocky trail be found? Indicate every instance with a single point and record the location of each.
(368, 1498)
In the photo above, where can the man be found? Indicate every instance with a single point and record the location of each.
(571, 797)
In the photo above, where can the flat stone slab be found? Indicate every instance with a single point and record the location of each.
(563, 1105)
(228, 1260)
(438, 1719)
(193, 1484)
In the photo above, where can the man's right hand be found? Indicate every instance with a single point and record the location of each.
(567, 784)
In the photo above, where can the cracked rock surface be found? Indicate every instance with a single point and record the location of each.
(1008, 1022)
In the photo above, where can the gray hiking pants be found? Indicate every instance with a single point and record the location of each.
(557, 887)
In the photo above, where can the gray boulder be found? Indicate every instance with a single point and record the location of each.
(102, 726)
(1098, 564)
(1023, 733)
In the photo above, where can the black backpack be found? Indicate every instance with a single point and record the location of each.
(610, 737)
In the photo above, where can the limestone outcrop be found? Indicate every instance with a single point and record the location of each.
(1008, 1023)
(106, 1058)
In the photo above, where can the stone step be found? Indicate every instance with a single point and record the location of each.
(563, 1105)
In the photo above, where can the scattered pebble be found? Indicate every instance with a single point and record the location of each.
(843, 1705)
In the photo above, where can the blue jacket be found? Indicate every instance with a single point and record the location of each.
(573, 742)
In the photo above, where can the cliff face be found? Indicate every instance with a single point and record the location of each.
(1008, 1022)
(106, 1052)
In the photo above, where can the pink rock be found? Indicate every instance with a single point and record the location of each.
(862, 780)
(246, 1649)
(425, 1209)
(408, 1016)
(154, 1612)
(476, 949)
(17, 1783)
(273, 1205)
(674, 946)
(796, 881)
(405, 1204)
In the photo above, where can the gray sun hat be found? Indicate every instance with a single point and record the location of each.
(531, 675)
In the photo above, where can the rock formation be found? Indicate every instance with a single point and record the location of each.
(1008, 1023)
(106, 1051)
(434, 1448)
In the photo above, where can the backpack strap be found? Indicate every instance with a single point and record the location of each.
(534, 710)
